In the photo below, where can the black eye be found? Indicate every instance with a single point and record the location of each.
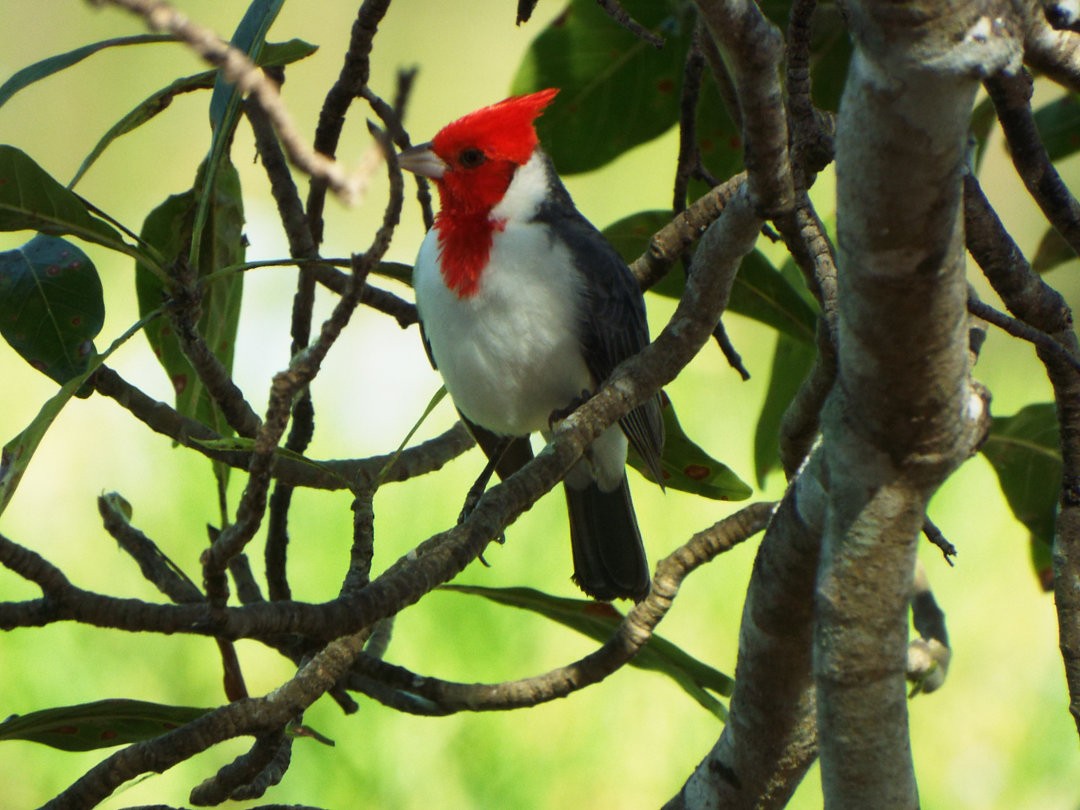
(471, 158)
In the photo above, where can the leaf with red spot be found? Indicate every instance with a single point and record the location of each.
(598, 621)
(51, 305)
(101, 724)
(688, 468)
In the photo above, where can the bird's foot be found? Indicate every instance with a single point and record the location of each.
(470, 503)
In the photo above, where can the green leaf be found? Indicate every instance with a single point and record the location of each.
(688, 468)
(719, 138)
(240, 444)
(168, 228)
(54, 64)
(1025, 452)
(616, 91)
(1053, 251)
(277, 53)
(598, 621)
(31, 200)
(249, 37)
(760, 291)
(792, 361)
(101, 724)
(630, 235)
(149, 108)
(51, 305)
(983, 118)
(18, 452)
(1059, 126)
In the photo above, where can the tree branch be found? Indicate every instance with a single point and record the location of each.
(903, 413)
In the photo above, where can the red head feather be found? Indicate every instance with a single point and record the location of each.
(503, 131)
(481, 151)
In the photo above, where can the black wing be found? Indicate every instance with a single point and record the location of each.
(616, 328)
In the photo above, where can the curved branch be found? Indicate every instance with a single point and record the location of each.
(401, 688)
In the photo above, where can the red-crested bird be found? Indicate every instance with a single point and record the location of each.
(525, 309)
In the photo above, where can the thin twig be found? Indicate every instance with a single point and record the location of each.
(250, 79)
(385, 682)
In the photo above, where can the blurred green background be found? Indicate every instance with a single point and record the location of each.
(997, 736)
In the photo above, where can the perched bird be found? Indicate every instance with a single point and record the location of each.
(525, 310)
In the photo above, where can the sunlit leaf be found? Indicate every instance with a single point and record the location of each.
(688, 468)
(101, 724)
(598, 621)
(1025, 452)
(51, 305)
(54, 64)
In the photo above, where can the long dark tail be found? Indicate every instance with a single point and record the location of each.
(609, 558)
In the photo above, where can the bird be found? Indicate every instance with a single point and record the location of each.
(525, 309)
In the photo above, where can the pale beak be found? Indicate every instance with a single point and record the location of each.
(422, 161)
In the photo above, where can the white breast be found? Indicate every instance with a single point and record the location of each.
(509, 354)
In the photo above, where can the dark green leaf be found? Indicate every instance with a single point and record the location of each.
(54, 64)
(395, 270)
(31, 200)
(760, 291)
(792, 361)
(17, 453)
(102, 724)
(719, 139)
(169, 229)
(598, 621)
(616, 90)
(1025, 452)
(630, 235)
(51, 305)
(983, 118)
(1059, 126)
(1053, 251)
(688, 468)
